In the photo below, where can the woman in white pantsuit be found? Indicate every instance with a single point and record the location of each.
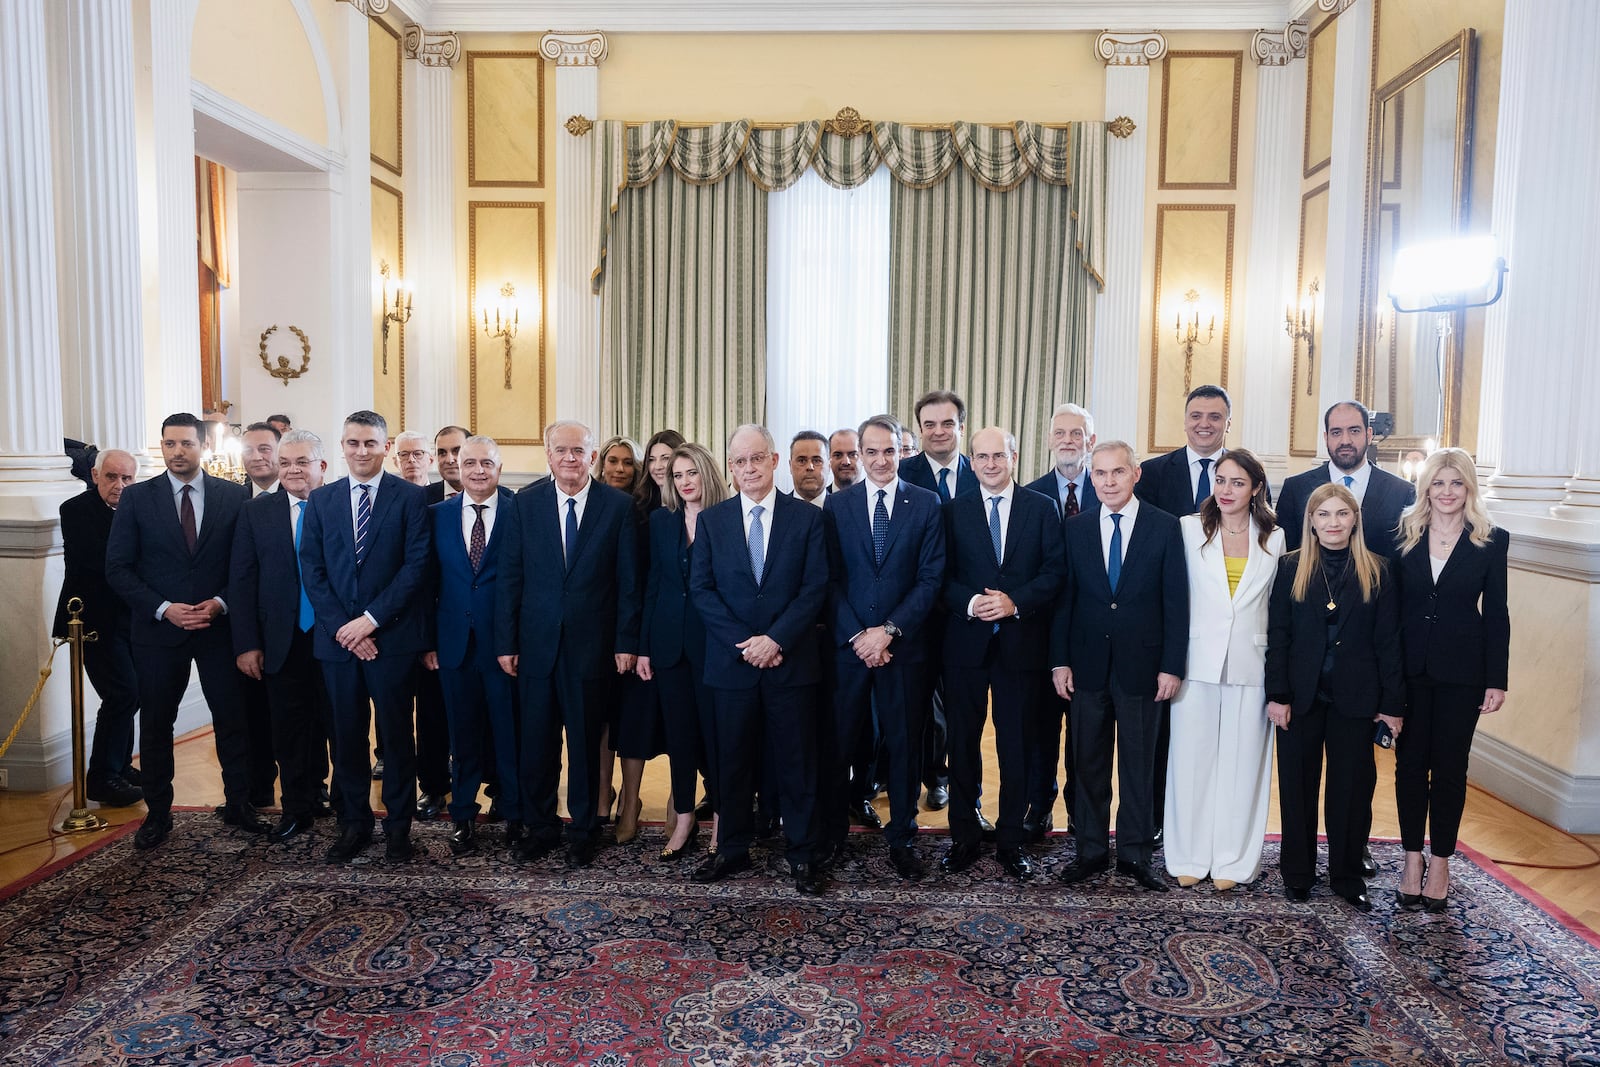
(1219, 765)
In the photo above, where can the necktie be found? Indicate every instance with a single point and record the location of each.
(307, 618)
(944, 484)
(880, 528)
(191, 535)
(363, 520)
(1349, 480)
(1114, 561)
(1069, 507)
(475, 548)
(1203, 490)
(570, 534)
(758, 551)
(994, 529)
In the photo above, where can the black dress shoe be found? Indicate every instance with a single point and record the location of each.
(1296, 892)
(532, 849)
(580, 854)
(246, 818)
(289, 827)
(114, 791)
(1141, 873)
(720, 866)
(1160, 837)
(348, 847)
(515, 831)
(429, 805)
(807, 879)
(132, 775)
(153, 832)
(464, 838)
(668, 855)
(824, 856)
(938, 797)
(1081, 872)
(397, 847)
(985, 827)
(962, 854)
(1017, 863)
(1369, 866)
(863, 814)
(1037, 829)
(906, 863)
(321, 810)
(1359, 901)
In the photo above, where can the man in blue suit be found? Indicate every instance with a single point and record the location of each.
(888, 567)
(167, 558)
(760, 581)
(1118, 644)
(272, 629)
(567, 607)
(364, 558)
(480, 699)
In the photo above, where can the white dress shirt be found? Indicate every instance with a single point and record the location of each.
(469, 516)
(256, 490)
(1359, 479)
(1005, 497)
(1081, 481)
(1130, 515)
(1194, 467)
(954, 467)
(355, 495)
(890, 491)
(766, 502)
(582, 497)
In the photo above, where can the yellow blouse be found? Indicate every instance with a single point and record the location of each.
(1235, 571)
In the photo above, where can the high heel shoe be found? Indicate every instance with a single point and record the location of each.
(608, 814)
(670, 854)
(1408, 900)
(628, 823)
(1435, 905)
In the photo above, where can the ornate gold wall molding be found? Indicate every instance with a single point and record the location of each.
(431, 48)
(1304, 418)
(574, 49)
(1190, 259)
(1309, 166)
(1194, 130)
(506, 242)
(1275, 48)
(380, 36)
(1130, 49)
(502, 86)
(1122, 127)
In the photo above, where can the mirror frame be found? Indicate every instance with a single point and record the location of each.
(1461, 46)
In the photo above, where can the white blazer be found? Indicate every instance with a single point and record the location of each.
(1228, 631)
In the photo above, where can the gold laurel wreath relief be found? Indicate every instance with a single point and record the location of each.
(282, 370)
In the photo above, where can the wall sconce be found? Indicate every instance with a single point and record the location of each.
(1187, 333)
(1301, 325)
(506, 316)
(397, 312)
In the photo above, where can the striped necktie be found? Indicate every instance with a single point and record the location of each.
(363, 521)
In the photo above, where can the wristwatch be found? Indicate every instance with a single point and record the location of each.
(892, 630)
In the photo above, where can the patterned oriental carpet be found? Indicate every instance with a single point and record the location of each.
(218, 949)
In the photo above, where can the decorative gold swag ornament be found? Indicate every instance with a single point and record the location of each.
(283, 371)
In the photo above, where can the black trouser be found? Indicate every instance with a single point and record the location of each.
(562, 701)
(781, 719)
(163, 674)
(302, 719)
(481, 705)
(433, 735)
(936, 739)
(1347, 803)
(108, 661)
(899, 696)
(263, 745)
(1016, 700)
(384, 686)
(686, 715)
(1158, 778)
(1107, 721)
(1047, 755)
(1430, 762)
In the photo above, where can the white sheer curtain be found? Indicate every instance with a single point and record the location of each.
(827, 307)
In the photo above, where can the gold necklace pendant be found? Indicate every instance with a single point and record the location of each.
(1332, 605)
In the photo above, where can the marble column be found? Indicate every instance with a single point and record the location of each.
(1270, 282)
(1347, 187)
(97, 224)
(430, 229)
(576, 325)
(1114, 375)
(174, 367)
(354, 314)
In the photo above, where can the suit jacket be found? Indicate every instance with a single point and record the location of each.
(1166, 482)
(436, 491)
(1228, 629)
(465, 599)
(392, 581)
(147, 561)
(1032, 574)
(918, 470)
(587, 612)
(671, 628)
(1445, 635)
(1366, 662)
(265, 579)
(85, 529)
(905, 586)
(1046, 486)
(1137, 631)
(1386, 497)
(785, 605)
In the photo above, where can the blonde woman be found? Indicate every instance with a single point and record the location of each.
(1219, 767)
(1456, 632)
(1333, 668)
(619, 464)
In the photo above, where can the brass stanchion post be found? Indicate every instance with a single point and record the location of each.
(81, 819)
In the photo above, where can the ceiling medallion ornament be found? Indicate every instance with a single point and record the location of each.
(577, 125)
(283, 371)
(847, 123)
(1121, 127)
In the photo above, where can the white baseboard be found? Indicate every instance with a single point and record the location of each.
(1567, 801)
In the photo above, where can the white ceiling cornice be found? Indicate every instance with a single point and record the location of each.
(838, 16)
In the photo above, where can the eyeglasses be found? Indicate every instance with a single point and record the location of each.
(420, 453)
(755, 459)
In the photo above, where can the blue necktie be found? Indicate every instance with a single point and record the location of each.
(1114, 562)
(880, 528)
(1349, 480)
(994, 529)
(758, 551)
(570, 539)
(307, 618)
(1203, 490)
(944, 485)
(363, 520)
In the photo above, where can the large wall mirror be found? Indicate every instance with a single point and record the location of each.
(1419, 188)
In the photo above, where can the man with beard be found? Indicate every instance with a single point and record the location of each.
(844, 458)
(1347, 430)
(447, 449)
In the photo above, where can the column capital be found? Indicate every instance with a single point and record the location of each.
(574, 49)
(1130, 49)
(1333, 7)
(368, 8)
(1275, 48)
(431, 48)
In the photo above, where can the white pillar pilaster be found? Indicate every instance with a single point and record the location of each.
(430, 229)
(1347, 185)
(576, 325)
(1114, 375)
(1271, 279)
(176, 361)
(354, 313)
(97, 224)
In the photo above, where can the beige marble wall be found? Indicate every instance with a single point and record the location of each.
(258, 54)
(1199, 147)
(505, 247)
(388, 246)
(383, 48)
(505, 119)
(1194, 252)
(1320, 50)
(1305, 409)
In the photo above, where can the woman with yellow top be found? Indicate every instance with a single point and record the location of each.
(1219, 765)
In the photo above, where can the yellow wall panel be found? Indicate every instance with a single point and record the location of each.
(1319, 97)
(1200, 120)
(258, 54)
(506, 246)
(388, 247)
(1194, 252)
(1305, 420)
(383, 71)
(505, 119)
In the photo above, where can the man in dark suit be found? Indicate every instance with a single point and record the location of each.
(1069, 485)
(413, 460)
(168, 559)
(480, 698)
(260, 459)
(364, 558)
(1347, 431)
(806, 464)
(1119, 643)
(888, 558)
(760, 581)
(272, 630)
(844, 458)
(567, 607)
(447, 445)
(85, 527)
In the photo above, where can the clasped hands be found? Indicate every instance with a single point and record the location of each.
(1061, 677)
(355, 637)
(872, 646)
(993, 605)
(193, 616)
(760, 651)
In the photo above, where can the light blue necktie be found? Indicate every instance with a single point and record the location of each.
(570, 538)
(307, 617)
(363, 520)
(880, 528)
(994, 529)
(1114, 563)
(1349, 480)
(758, 551)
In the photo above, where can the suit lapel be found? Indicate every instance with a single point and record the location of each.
(1258, 565)
(1095, 565)
(1453, 562)
(346, 524)
(213, 513)
(897, 521)
(1013, 527)
(778, 535)
(451, 512)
